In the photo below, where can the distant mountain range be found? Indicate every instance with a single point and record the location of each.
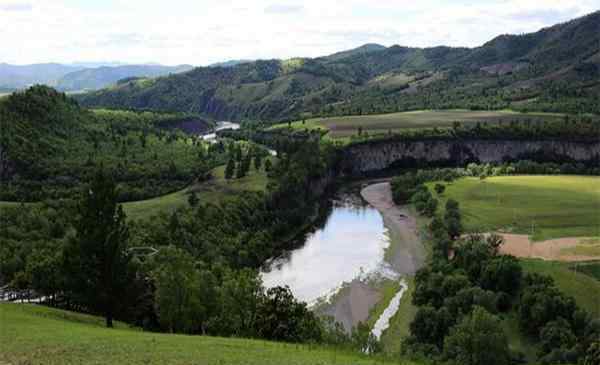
(79, 76)
(554, 69)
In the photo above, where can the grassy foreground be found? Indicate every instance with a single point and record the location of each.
(38, 335)
(382, 123)
(548, 206)
(210, 191)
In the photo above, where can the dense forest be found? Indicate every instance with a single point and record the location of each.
(49, 146)
(554, 70)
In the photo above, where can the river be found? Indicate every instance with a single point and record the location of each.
(350, 244)
(220, 126)
(338, 263)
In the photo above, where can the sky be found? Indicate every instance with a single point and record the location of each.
(200, 32)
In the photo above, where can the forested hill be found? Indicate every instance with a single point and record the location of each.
(554, 69)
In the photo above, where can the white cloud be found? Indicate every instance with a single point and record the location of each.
(201, 32)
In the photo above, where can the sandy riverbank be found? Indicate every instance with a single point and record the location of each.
(406, 253)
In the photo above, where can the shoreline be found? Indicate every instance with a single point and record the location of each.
(356, 300)
(406, 254)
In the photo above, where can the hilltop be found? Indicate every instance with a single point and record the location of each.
(555, 69)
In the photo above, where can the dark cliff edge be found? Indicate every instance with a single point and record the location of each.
(377, 156)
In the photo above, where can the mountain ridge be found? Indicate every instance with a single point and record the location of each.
(554, 69)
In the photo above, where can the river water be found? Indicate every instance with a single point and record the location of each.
(351, 244)
(220, 126)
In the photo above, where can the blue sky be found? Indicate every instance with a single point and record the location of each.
(200, 32)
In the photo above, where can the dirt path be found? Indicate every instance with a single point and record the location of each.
(406, 253)
(520, 245)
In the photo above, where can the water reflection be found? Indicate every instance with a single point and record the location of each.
(351, 242)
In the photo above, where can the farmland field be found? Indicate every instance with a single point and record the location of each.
(383, 123)
(544, 207)
(39, 335)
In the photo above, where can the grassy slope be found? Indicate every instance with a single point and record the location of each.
(382, 123)
(557, 206)
(584, 288)
(391, 338)
(208, 191)
(38, 335)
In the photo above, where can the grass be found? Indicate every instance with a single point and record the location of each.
(38, 335)
(592, 269)
(340, 127)
(581, 286)
(211, 191)
(584, 248)
(554, 206)
(389, 288)
(391, 338)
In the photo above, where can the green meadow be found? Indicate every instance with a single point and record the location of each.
(210, 191)
(544, 207)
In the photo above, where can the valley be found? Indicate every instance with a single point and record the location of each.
(379, 204)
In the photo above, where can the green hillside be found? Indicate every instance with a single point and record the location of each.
(39, 335)
(100, 77)
(48, 146)
(555, 69)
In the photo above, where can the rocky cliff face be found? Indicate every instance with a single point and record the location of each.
(375, 156)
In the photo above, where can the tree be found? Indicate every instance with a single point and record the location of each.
(477, 339)
(430, 325)
(230, 169)
(246, 162)
(257, 162)
(452, 219)
(439, 189)
(96, 260)
(193, 199)
(177, 294)
(503, 274)
(44, 271)
(281, 317)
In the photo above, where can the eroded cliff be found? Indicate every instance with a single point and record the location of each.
(370, 157)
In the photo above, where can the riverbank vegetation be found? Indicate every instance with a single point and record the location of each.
(468, 289)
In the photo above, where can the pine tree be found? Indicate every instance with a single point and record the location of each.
(230, 169)
(96, 259)
(193, 199)
(257, 162)
(268, 165)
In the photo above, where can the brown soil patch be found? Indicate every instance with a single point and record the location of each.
(520, 245)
